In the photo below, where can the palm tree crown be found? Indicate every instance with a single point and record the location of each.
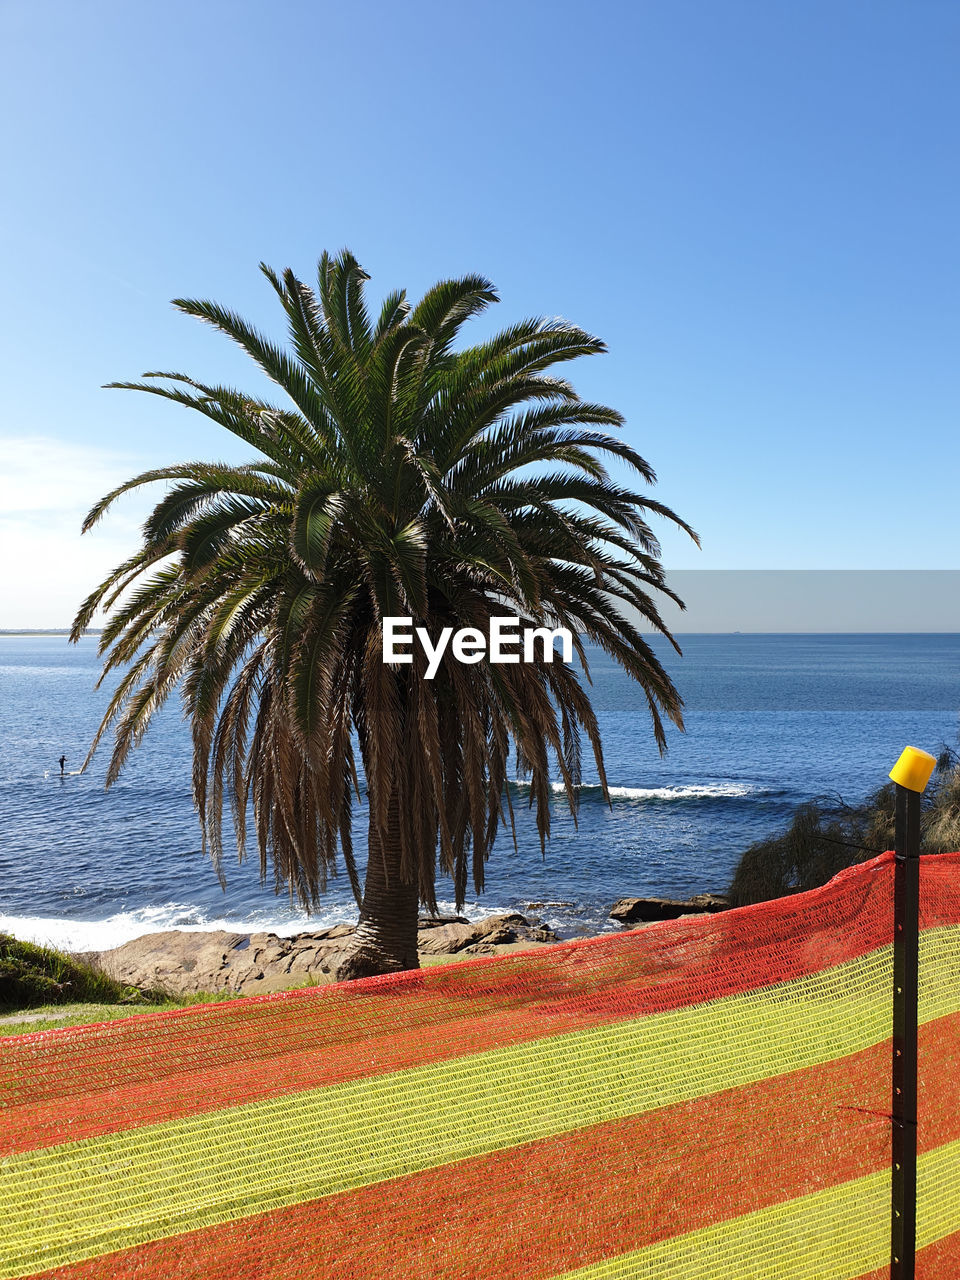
(401, 476)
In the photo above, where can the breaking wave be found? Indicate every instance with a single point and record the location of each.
(698, 791)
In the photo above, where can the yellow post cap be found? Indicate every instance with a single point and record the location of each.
(913, 769)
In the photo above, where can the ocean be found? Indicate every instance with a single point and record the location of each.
(771, 721)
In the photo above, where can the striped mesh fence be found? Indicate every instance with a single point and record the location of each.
(708, 1097)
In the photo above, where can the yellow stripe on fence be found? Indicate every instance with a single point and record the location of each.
(75, 1201)
(836, 1234)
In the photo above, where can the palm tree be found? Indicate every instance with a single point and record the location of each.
(402, 476)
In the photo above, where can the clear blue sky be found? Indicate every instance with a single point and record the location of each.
(754, 202)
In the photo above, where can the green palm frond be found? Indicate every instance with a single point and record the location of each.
(400, 472)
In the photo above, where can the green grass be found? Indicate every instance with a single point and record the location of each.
(54, 1017)
(49, 989)
(50, 1017)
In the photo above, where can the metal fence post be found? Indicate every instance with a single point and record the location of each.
(911, 774)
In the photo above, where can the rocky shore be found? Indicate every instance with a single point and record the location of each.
(256, 963)
(253, 963)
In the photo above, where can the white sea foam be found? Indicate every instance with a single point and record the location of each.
(704, 791)
(67, 934)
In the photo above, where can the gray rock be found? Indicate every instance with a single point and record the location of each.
(183, 962)
(445, 939)
(645, 910)
(338, 931)
(709, 901)
(482, 937)
(496, 924)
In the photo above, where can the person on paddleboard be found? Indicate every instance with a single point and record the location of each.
(63, 761)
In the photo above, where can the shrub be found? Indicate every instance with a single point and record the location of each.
(824, 837)
(32, 975)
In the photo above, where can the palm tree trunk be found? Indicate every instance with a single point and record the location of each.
(386, 937)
